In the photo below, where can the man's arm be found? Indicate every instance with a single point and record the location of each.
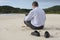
(29, 16)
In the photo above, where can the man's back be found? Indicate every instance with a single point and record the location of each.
(39, 17)
(36, 16)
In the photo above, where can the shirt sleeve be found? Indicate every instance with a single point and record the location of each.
(29, 16)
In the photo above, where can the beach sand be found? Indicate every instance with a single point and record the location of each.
(11, 28)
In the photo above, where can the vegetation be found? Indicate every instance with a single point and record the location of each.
(9, 9)
(54, 9)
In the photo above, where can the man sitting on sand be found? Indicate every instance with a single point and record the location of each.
(36, 18)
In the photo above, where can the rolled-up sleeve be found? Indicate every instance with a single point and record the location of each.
(29, 16)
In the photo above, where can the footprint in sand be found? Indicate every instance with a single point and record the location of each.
(6, 29)
(25, 28)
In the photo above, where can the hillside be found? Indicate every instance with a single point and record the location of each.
(10, 9)
(54, 9)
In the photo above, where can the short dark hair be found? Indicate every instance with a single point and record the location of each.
(35, 3)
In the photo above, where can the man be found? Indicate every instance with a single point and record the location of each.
(36, 18)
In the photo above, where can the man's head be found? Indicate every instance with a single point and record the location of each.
(35, 4)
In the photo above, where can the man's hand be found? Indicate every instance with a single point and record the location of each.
(26, 14)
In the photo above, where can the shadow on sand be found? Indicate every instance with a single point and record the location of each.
(51, 28)
(46, 28)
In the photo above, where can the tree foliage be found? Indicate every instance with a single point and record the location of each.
(10, 9)
(54, 9)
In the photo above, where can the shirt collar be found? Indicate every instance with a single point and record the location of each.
(35, 7)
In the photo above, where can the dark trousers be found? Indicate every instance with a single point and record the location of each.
(28, 23)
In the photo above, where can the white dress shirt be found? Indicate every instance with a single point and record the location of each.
(36, 16)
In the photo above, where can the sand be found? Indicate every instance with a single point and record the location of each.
(11, 28)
